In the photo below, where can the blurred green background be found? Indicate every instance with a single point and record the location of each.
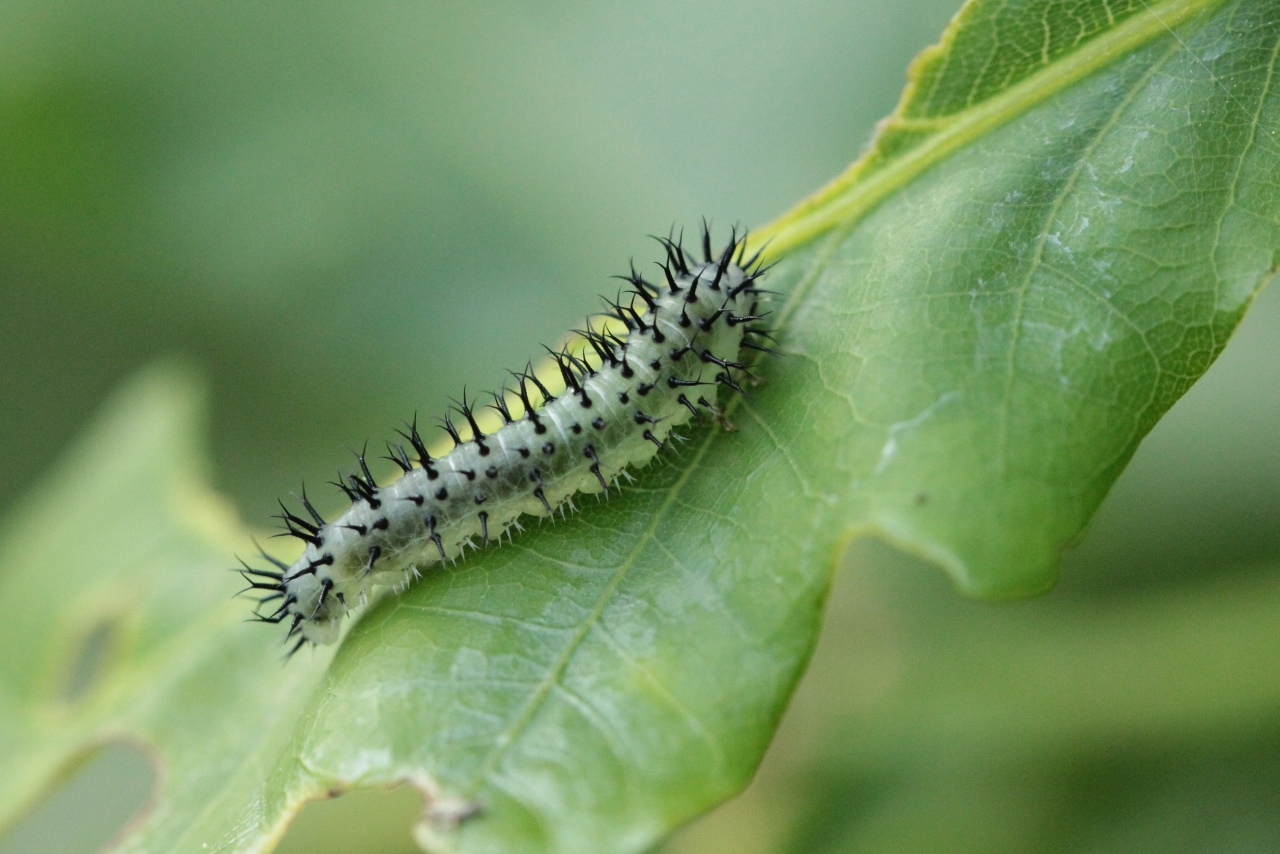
(345, 212)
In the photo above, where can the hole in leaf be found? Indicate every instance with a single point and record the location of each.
(362, 820)
(91, 660)
(106, 792)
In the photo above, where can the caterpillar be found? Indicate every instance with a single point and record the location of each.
(658, 361)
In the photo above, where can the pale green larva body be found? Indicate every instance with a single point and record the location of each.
(683, 341)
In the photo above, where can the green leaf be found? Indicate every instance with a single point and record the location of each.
(1051, 239)
(122, 557)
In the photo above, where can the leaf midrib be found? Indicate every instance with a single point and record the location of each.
(851, 195)
(1034, 265)
(512, 732)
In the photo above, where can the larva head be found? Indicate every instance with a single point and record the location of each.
(317, 612)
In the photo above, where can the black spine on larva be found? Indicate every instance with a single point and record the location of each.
(627, 386)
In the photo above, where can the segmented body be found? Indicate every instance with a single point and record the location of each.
(621, 402)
